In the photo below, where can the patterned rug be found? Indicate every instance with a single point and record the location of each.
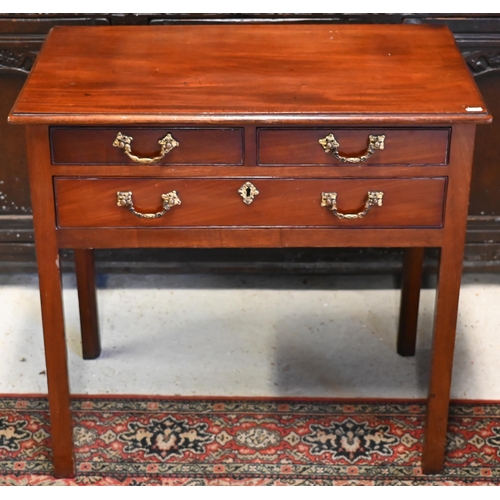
(147, 441)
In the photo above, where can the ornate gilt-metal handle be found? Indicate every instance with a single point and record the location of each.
(330, 145)
(330, 200)
(124, 141)
(124, 199)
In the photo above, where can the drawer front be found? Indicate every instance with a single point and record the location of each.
(196, 146)
(401, 146)
(279, 203)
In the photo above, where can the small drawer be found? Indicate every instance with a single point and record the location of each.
(219, 203)
(400, 146)
(194, 146)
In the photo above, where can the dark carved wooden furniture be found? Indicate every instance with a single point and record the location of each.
(254, 136)
(477, 36)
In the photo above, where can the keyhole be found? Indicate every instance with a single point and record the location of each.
(249, 192)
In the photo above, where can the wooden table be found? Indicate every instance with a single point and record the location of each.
(250, 136)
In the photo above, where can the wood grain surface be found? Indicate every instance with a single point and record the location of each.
(216, 203)
(402, 146)
(161, 74)
(197, 146)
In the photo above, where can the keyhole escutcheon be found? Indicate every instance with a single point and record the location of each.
(248, 192)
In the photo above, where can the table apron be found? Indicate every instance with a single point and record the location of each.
(246, 238)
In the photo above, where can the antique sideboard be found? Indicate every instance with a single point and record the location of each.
(21, 36)
(250, 136)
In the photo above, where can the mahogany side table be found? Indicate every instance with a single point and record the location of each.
(250, 136)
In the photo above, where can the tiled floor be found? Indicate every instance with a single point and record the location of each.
(250, 335)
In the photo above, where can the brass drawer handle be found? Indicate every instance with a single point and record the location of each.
(330, 145)
(124, 141)
(330, 200)
(124, 199)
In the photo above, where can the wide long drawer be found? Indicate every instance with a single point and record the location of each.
(182, 146)
(277, 203)
(342, 146)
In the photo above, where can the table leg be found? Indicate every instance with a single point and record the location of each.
(87, 301)
(445, 320)
(47, 255)
(410, 296)
(447, 294)
(56, 360)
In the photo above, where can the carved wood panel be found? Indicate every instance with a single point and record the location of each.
(485, 188)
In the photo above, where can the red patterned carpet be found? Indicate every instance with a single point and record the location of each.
(136, 441)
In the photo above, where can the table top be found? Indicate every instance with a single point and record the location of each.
(263, 73)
